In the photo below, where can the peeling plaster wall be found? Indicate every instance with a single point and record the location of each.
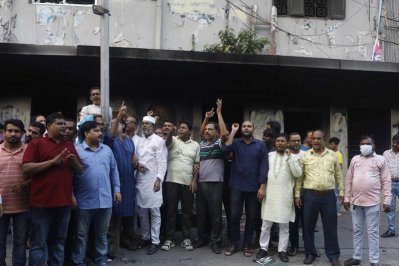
(16, 108)
(351, 38)
(189, 25)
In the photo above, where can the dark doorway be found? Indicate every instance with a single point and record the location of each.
(372, 122)
(232, 111)
(301, 121)
(49, 103)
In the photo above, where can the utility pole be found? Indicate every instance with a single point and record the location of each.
(103, 11)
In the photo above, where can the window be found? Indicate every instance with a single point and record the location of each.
(316, 8)
(75, 2)
(333, 9)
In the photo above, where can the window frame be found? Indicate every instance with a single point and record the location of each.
(296, 8)
(64, 3)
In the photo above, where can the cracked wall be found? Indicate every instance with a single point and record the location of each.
(189, 25)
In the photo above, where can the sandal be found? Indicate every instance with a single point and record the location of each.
(248, 252)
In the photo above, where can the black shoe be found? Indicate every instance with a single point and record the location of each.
(352, 261)
(143, 243)
(292, 251)
(283, 256)
(231, 249)
(216, 248)
(309, 259)
(152, 249)
(374, 264)
(261, 254)
(200, 244)
(335, 263)
(388, 233)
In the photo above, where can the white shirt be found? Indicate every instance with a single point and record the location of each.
(152, 153)
(93, 109)
(278, 205)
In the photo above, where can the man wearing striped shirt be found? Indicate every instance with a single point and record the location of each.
(392, 157)
(210, 181)
(14, 193)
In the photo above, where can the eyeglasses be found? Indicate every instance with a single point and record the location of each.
(95, 93)
(130, 122)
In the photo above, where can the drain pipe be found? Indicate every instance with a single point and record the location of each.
(158, 26)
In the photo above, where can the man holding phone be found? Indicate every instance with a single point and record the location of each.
(368, 176)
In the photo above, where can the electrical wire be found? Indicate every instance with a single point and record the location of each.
(302, 36)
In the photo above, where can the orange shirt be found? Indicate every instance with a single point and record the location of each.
(11, 174)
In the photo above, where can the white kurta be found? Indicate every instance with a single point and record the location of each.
(152, 153)
(278, 205)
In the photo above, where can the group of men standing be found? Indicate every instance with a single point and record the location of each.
(107, 179)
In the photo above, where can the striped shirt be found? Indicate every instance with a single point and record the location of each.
(393, 163)
(10, 175)
(211, 162)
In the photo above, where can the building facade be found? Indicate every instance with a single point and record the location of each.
(315, 71)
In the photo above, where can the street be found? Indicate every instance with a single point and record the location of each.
(389, 248)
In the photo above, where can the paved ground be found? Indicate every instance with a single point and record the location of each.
(204, 256)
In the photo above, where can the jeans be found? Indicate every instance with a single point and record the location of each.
(237, 200)
(99, 219)
(20, 226)
(209, 211)
(391, 215)
(49, 228)
(325, 204)
(371, 217)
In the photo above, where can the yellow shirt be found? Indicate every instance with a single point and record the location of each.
(319, 172)
(181, 158)
(340, 157)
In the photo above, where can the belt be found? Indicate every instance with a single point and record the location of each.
(395, 180)
(320, 192)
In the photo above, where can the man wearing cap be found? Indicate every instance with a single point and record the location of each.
(151, 163)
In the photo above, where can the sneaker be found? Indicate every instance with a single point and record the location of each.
(167, 245)
(339, 214)
(186, 244)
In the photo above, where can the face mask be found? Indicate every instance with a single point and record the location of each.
(366, 150)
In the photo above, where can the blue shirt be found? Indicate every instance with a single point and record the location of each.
(92, 188)
(250, 164)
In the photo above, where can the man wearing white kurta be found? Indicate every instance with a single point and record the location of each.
(278, 205)
(152, 154)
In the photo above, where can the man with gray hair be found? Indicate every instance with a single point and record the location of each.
(151, 164)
